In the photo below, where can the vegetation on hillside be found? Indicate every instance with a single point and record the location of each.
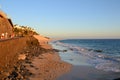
(23, 30)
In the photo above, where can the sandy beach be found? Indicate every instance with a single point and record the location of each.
(35, 60)
(47, 66)
(50, 66)
(39, 61)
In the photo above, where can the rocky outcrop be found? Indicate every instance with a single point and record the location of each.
(8, 50)
(13, 54)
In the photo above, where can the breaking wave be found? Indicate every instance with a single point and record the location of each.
(96, 57)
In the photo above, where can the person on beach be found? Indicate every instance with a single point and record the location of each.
(13, 35)
(6, 35)
(2, 36)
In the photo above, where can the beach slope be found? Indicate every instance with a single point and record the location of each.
(48, 65)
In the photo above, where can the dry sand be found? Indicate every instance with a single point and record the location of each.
(43, 41)
(47, 66)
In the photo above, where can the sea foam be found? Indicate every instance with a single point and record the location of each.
(97, 59)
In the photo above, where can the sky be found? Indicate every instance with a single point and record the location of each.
(67, 18)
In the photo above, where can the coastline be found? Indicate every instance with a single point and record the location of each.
(81, 69)
(43, 61)
(47, 66)
(37, 61)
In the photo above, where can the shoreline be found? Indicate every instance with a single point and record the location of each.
(81, 70)
(37, 61)
(47, 66)
(41, 61)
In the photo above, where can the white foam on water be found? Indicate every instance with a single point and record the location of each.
(98, 60)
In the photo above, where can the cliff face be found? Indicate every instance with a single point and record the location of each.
(5, 24)
(9, 49)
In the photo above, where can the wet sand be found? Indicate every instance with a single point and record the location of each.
(88, 73)
(47, 66)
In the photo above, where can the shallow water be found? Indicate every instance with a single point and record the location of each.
(102, 54)
(88, 73)
(83, 68)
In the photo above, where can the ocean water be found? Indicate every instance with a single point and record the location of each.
(103, 54)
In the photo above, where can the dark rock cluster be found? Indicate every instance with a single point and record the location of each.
(19, 71)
